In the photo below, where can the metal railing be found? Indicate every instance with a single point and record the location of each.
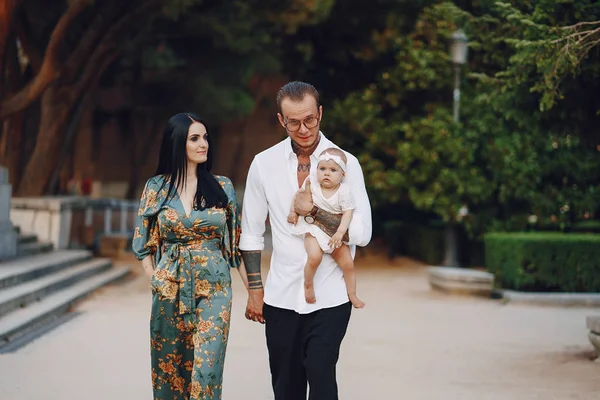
(74, 222)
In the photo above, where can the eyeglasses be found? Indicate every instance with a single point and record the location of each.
(293, 125)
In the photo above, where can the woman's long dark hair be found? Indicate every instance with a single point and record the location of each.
(173, 163)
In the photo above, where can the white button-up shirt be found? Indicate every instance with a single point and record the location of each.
(271, 184)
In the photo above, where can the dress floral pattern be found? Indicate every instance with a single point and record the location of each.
(191, 289)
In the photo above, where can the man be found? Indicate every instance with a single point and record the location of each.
(303, 339)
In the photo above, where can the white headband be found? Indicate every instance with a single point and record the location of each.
(332, 157)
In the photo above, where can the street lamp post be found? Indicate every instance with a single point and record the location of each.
(458, 53)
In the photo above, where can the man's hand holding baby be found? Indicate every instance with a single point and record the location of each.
(303, 203)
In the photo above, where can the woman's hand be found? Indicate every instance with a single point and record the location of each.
(148, 265)
(254, 306)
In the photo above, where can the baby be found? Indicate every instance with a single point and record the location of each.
(333, 196)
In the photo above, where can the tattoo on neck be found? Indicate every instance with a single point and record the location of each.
(252, 263)
(305, 151)
(303, 167)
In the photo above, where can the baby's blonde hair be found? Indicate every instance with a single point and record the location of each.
(334, 151)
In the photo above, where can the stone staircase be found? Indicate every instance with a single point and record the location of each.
(41, 285)
(28, 245)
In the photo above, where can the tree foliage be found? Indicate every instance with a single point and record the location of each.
(209, 54)
(518, 155)
(179, 54)
(553, 172)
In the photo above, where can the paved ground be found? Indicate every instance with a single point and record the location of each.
(409, 343)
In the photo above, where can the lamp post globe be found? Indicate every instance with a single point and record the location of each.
(458, 47)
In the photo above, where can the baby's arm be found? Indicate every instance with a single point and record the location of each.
(293, 216)
(347, 204)
(345, 223)
(336, 240)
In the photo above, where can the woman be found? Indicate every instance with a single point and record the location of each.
(187, 236)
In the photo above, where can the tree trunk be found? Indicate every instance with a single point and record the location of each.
(12, 138)
(80, 73)
(44, 159)
(50, 67)
(7, 8)
(128, 137)
(11, 135)
(136, 131)
(239, 141)
(58, 103)
(451, 252)
(146, 136)
(67, 145)
(134, 180)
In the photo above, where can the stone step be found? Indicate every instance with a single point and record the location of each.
(23, 269)
(35, 316)
(29, 292)
(29, 249)
(29, 238)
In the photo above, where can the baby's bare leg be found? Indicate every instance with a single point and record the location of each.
(315, 255)
(343, 258)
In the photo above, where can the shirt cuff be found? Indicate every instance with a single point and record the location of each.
(355, 231)
(252, 243)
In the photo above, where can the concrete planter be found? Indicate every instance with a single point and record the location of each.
(461, 281)
(593, 324)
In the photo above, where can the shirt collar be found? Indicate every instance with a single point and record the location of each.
(324, 143)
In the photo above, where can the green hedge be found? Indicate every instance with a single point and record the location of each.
(544, 261)
(587, 226)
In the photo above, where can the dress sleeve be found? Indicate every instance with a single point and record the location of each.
(146, 233)
(231, 238)
(347, 201)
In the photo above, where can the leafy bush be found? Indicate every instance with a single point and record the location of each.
(544, 261)
(587, 226)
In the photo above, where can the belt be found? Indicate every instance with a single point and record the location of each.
(180, 268)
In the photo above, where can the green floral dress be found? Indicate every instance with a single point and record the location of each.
(191, 289)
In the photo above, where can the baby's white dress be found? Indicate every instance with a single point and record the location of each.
(341, 201)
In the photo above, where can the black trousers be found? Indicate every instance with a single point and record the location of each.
(304, 348)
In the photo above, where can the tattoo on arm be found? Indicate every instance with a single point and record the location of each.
(252, 262)
(329, 223)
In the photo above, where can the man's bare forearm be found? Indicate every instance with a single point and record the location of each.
(252, 262)
(329, 223)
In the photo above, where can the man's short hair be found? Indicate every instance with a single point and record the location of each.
(296, 91)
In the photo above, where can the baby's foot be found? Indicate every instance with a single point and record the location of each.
(309, 294)
(356, 302)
